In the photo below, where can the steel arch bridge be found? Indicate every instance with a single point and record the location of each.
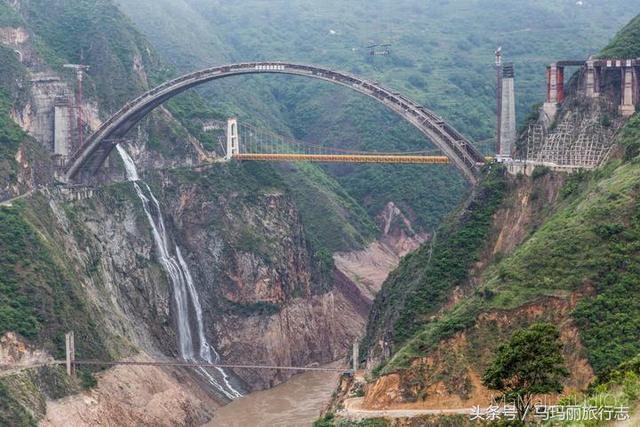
(89, 158)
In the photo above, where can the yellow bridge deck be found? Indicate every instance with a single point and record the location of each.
(345, 158)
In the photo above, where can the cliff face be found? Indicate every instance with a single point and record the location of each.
(550, 247)
(86, 261)
(262, 300)
(459, 327)
(369, 268)
(265, 302)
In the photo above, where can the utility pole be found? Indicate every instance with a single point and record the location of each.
(70, 347)
(356, 355)
(79, 69)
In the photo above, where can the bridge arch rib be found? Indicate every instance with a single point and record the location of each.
(88, 159)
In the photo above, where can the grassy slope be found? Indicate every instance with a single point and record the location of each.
(40, 299)
(11, 73)
(10, 138)
(590, 244)
(591, 241)
(423, 282)
(91, 32)
(41, 296)
(13, 94)
(625, 44)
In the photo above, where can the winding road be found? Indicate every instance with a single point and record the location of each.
(353, 410)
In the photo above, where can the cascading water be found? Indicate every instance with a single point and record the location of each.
(184, 289)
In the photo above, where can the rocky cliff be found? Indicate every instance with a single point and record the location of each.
(264, 301)
(549, 247)
(85, 259)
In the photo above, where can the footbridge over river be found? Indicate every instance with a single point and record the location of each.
(88, 159)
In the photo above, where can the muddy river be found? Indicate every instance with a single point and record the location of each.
(295, 403)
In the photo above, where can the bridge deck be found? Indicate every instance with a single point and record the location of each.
(344, 158)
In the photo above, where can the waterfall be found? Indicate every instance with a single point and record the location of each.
(184, 290)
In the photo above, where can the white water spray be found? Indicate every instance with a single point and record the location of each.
(184, 289)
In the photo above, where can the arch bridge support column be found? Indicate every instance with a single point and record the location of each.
(592, 80)
(233, 139)
(555, 90)
(627, 107)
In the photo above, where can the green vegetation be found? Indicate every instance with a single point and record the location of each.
(333, 220)
(617, 388)
(38, 297)
(625, 44)
(11, 95)
(423, 421)
(329, 420)
(9, 17)
(13, 78)
(23, 395)
(92, 32)
(425, 193)
(17, 311)
(10, 138)
(422, 283)
(254, 309)
(448, 71)
(587, 245)
(452, 255)
(530, 364)
(12, 412)
(87, 379)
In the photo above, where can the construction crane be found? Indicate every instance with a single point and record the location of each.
(79, 69)
(383, 51)
(498, 96)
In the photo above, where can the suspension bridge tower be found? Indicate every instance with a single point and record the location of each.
(233, 139)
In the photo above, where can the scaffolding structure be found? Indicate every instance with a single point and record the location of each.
(576, 141)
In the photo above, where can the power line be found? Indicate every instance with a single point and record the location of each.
(12, 367)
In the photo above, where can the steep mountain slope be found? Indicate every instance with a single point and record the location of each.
(258, 247)
(558, 248)
(23, 163)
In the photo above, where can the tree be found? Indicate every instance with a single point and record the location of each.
(530, 364)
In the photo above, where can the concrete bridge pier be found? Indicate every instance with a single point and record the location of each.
(629, 87)
(555, 90)
(508, 133)
(592, 80)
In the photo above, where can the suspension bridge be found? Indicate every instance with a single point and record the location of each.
(460, 151)
(245, 142)
(72, 363)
